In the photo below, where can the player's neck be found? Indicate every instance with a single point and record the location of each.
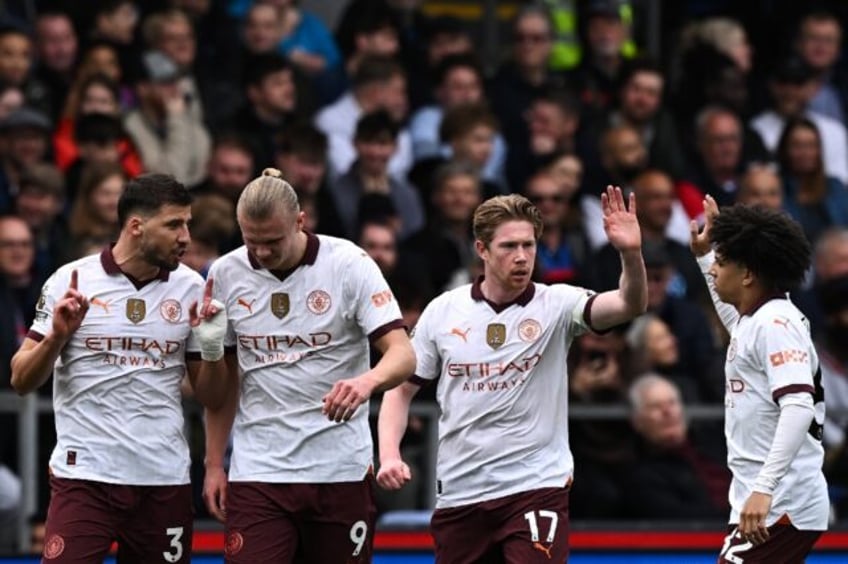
(298, 254)
(130, 261)
(497, 294)
(749, 301)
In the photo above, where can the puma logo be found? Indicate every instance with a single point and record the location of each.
(546, 549)
(248, 305)
(461, 334)
(103, 304)
(782, 321)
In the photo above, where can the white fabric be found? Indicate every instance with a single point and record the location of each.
(338, 122)
(289, 361)
(116, 384)
(210, 334)
(796, 414)
(770, 355)
(504, 409)
(769, 125)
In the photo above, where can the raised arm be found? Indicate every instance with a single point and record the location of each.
(631, 298)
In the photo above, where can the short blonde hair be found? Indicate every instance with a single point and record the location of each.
(498, 210)
(267, 195)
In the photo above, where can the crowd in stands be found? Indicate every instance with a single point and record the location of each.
(392, 128)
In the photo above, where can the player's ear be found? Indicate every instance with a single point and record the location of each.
(135, 224)
(481, 249)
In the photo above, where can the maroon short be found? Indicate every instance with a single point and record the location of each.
(785, 544)
(150, 523)
(523, 528)
(316, 523)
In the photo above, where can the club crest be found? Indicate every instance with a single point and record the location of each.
(280, 304)
(136, 310)
(496, 335)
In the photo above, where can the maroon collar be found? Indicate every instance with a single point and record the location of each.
(107, 259)
(522, 299)
(308, 258)
(763, 301)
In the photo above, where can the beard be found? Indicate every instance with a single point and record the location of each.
(153, 257)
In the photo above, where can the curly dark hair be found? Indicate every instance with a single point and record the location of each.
(767, 242)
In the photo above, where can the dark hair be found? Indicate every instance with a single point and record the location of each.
(767, 242)
(376, 126)
(813, 186)
(460, 60)
(148, 193)
(375, 68)
(634, 67)
(99, 79)
(101, 129)
(459, 121)
(261, 66)
(232, 140)
(566, 100)
(303, 139)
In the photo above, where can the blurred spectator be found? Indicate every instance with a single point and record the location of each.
(101, 57)
(40, 202)
(16, 66)
(375, 142)
(98, 95)
(674, 476)
(567, 170)
(115, 22)
(368, 29)
(599, 374)
(553, 120)
(11, 98)
(830, 261)
(443, 37)
(725, 35)
(791, 86)
(656, 198)
(302, 158)
(655, 349)
(23, 134)
(94, 211)
(263, 29)
(213, 224)
(306, 41)
(526, 75)
(271, 100)
(378, 84)
(718, 163)
(18, 295)
(813, 197)
(168, 136)
(380, 242)
(563, 249)
(819, 45)
(230, 168)
(10, 507)
(445, 247)
(760, 185)
(640, 97)
(57, 47)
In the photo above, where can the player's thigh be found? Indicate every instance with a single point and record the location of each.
(463, 535)
(785, 544)
(339, 526)
(159, 528)
(80, 524)
(535, 528)
(259, 526)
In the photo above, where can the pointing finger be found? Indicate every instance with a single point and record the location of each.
(207, 291)
(74, 280)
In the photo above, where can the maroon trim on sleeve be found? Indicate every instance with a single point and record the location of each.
(587, 316)
(418, 380)
(383, 329)
(35, 336)
(792, 389)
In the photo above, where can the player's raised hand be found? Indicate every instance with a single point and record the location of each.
(347, 395)
(70, 310)
(393, 474)
(620, 223)
(215, 492)
(209, 324)
(699, 242)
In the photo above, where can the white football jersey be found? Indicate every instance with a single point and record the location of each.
(116, 384)
(771, 354)
(296, 336)
(502, 388)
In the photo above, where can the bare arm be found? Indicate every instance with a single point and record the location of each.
(631, 298)
(391, 426)
(219, 420)
(210, 381)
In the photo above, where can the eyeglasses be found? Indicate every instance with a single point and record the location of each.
(555, 198)
(531, 38)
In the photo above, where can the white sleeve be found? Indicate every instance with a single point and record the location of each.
(593, 221)
(726, 312)
(373, 302)
(51, 292)
(785, 348)
(221, 293)
(428, 364)
(796, 414)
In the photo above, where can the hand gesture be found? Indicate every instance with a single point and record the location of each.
(345, 396)
(700, 242)
(69, 311)
(215, 492)
(209, 324)
(752, 518)
(393, 474)
(620, 223)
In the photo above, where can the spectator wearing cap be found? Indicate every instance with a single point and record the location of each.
(792, 85)
(375, 141)
(26, 138)
(40, 202)
(168, 137)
